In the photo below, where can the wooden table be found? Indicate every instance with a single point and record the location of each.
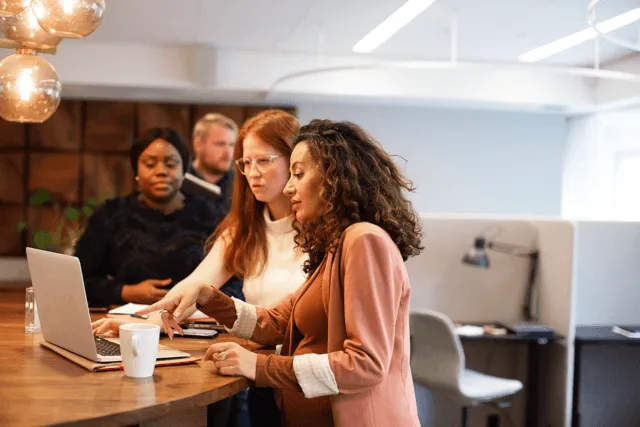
(40, 388)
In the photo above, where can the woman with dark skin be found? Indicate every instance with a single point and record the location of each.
(137, 246)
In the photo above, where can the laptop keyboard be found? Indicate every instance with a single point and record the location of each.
(106, 347)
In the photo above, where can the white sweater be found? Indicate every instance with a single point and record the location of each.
(281, 276)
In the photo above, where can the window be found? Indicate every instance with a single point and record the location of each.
(602, 167)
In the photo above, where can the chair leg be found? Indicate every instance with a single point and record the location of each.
(465, 416)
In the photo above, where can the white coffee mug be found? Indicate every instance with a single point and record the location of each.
(139, 348)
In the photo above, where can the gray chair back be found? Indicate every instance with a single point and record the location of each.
(437, 357)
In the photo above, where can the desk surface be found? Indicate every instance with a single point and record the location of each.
(508, 337)
(38, 387)
(601, 334)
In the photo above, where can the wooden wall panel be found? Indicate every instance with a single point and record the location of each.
(12, 178)
(11, 243)
(176, 116)
(63, 131)
(57, 172)
(110, 126)
(106, 176)
(81, 153)
(12, 135)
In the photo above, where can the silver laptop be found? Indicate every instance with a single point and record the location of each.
(64, 312)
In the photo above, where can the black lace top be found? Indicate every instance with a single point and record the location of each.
(126, 242)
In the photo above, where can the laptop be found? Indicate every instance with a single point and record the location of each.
(64, 312)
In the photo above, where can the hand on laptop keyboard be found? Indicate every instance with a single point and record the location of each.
(107, 327)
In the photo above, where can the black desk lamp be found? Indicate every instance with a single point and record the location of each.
(477, 257)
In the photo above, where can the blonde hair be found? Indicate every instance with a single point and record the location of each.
(204, 124)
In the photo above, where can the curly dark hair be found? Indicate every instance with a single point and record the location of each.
(360, 183)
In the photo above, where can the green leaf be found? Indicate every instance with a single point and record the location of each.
(39, 197)
(87, 211)
(92, 202)
(42, 239)
(22, 225)
(72, 213)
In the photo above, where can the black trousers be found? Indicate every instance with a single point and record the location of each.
(263, 410)
(254, 407)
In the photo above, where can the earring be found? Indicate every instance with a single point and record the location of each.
(137, 178)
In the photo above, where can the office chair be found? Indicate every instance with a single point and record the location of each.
(437, 362)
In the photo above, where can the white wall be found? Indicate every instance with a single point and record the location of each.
(465, 161)
(13, 270)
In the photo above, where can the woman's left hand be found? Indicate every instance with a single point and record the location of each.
(233, 359)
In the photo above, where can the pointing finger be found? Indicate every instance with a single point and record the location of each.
(169, 305)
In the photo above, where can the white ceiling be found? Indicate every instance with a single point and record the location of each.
(489, 30)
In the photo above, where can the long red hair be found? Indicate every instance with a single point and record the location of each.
(244, 227)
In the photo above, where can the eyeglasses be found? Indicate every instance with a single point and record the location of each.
(263, 163)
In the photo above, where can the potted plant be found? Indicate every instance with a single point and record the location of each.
(70, 221)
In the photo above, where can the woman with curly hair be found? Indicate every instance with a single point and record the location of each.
(345, 332)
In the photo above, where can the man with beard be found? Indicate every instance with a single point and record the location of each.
(214, 138)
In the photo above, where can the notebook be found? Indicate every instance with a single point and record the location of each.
(114, 366)
(201, 188)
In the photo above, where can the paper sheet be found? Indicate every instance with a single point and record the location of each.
(131, 308)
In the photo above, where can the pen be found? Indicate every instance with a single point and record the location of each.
(137, 316)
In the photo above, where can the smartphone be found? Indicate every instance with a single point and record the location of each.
(205, 326)
(198, 333)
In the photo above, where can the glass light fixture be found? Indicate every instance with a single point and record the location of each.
(30, 91)
(12, 7)
(25, 29)
(69, 18)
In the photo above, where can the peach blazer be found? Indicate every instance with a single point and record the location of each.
(366, 294)
(366, 371)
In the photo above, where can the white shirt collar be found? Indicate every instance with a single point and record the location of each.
(281, 226)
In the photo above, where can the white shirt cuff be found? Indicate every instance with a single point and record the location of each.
(314, 375)
(247, 319)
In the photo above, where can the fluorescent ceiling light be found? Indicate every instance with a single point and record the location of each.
(580, 37)
(398, 19)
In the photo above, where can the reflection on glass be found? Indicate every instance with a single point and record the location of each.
(69, 18)
(12, 7)
(29, 88)
(24, 29)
